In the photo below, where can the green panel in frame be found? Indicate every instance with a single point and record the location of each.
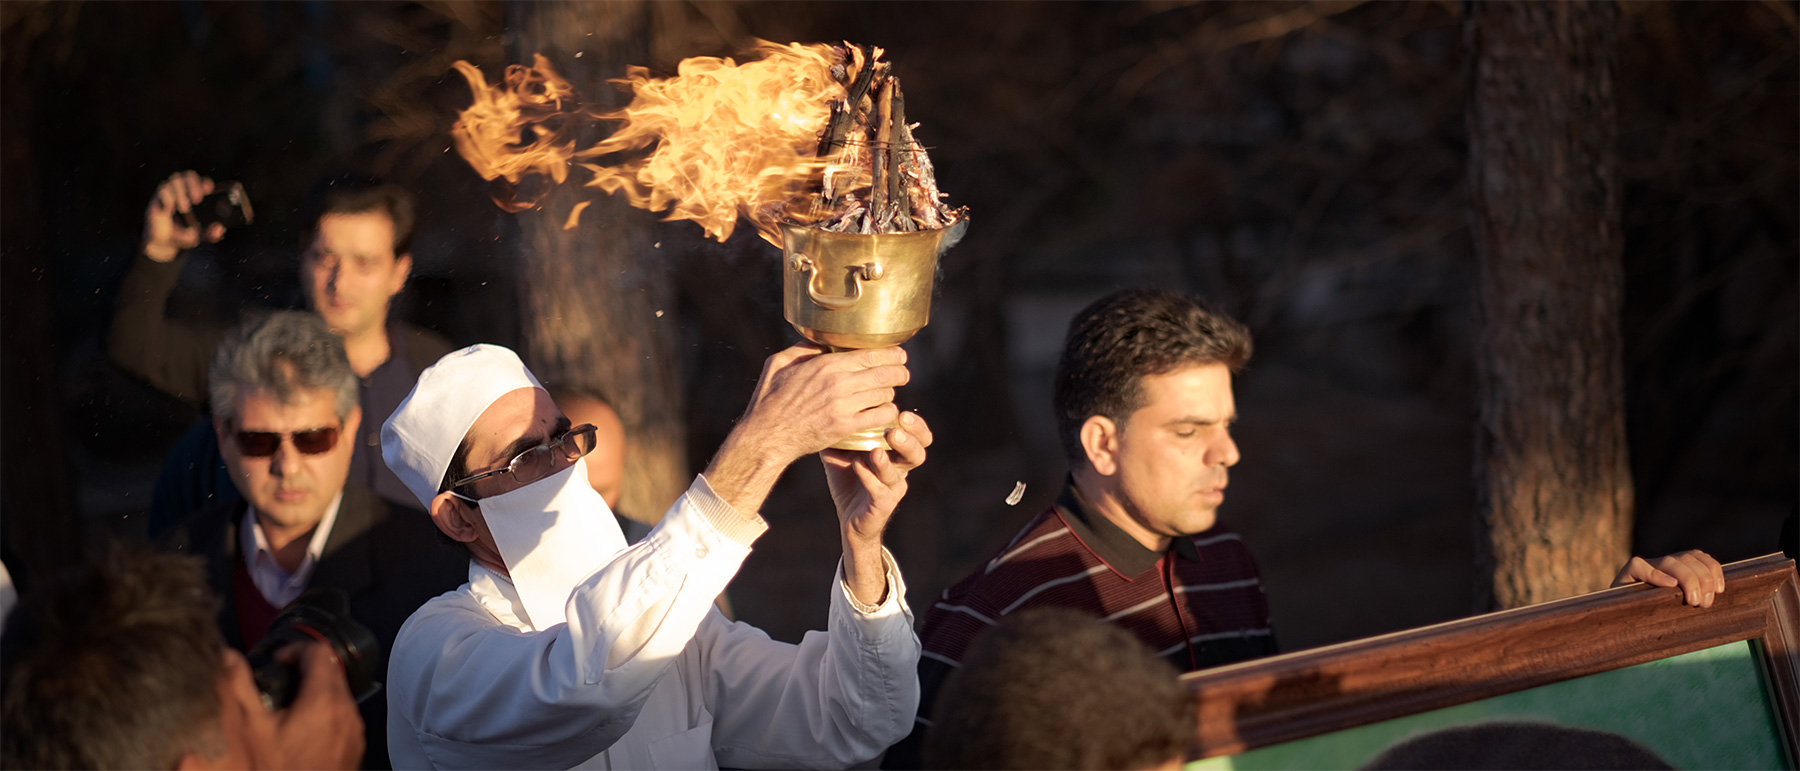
(1580, 662)
(1704, 709)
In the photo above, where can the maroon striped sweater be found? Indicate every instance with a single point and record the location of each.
(1200, 604)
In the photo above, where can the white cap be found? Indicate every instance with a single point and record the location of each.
(422, 435)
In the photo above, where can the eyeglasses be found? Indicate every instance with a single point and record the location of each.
(262, 444)
(538, 462)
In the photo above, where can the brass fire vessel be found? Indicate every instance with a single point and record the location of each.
(851, 290)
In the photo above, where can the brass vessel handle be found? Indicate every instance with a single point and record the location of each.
(858, 273)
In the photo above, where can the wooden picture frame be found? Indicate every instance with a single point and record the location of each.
(1315, 692)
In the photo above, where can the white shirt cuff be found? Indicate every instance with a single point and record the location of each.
(742, 528)
(890, 574)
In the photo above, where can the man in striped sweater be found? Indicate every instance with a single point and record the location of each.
(1143, 407)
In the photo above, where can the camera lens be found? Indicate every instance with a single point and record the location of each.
(320, 615)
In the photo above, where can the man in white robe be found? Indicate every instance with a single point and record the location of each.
(566, 648)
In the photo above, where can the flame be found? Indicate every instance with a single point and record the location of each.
(575, 215)
(535, 102)
(718, 140)
(728, 139)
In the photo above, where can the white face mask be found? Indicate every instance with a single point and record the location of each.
(553, 534)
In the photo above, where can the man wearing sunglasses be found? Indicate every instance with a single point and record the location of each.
(356, 258)
(566, 647)
(284, 411)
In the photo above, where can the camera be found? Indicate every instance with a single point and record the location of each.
(321, 615)
(228, 205)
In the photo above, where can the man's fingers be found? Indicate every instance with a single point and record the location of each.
(885, 376)
(184, 192)
(1694, 572)
(164, 202)
(242, 685)
(858, 401)
(798, 352)
(909, 447)
(914, 423)
(833, 458)
(1649, 574)
(1703, 573)
(1691, 592)
(877, 416)
(322, 728)
(870, 358)
(1695, 581)
(321, 676)
(1636, 570)
(881, 464)
(1711, 567)
(195, 186)
(238, 696)
(779, 362)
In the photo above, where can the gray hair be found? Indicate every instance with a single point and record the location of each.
(280, 353)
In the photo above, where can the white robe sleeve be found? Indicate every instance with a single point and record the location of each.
(837, 699)
(465, 691)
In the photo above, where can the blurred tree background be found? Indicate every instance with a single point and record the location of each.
(1302, 164)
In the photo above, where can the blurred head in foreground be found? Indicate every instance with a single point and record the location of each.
(118, 666)
(1053, 688)
(1517, 745)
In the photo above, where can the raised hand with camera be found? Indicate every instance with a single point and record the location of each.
(188, 209)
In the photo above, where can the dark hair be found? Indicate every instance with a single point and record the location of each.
(1124, 336)
(1057, 688)
(458, 468)
(349, 194)
(1519, 745)
(278, 353)
(115, 666)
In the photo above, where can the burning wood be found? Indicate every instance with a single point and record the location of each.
(878, 179)
(811, 135)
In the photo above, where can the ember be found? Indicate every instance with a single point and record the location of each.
(811, 135)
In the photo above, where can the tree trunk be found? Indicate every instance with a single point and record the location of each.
(1553, 483)
(597, 301)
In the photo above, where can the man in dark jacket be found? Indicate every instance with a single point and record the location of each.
(357, 258)
(284, 413)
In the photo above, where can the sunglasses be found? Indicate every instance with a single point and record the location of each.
(262, 444)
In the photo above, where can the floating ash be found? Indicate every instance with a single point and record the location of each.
(810, 135)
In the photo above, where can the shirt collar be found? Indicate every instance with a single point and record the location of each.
(255, 546)
(497, 595)
(1110, 543)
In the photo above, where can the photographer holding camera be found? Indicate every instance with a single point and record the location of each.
(284, 412)
(355, 259)
(120, 666)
